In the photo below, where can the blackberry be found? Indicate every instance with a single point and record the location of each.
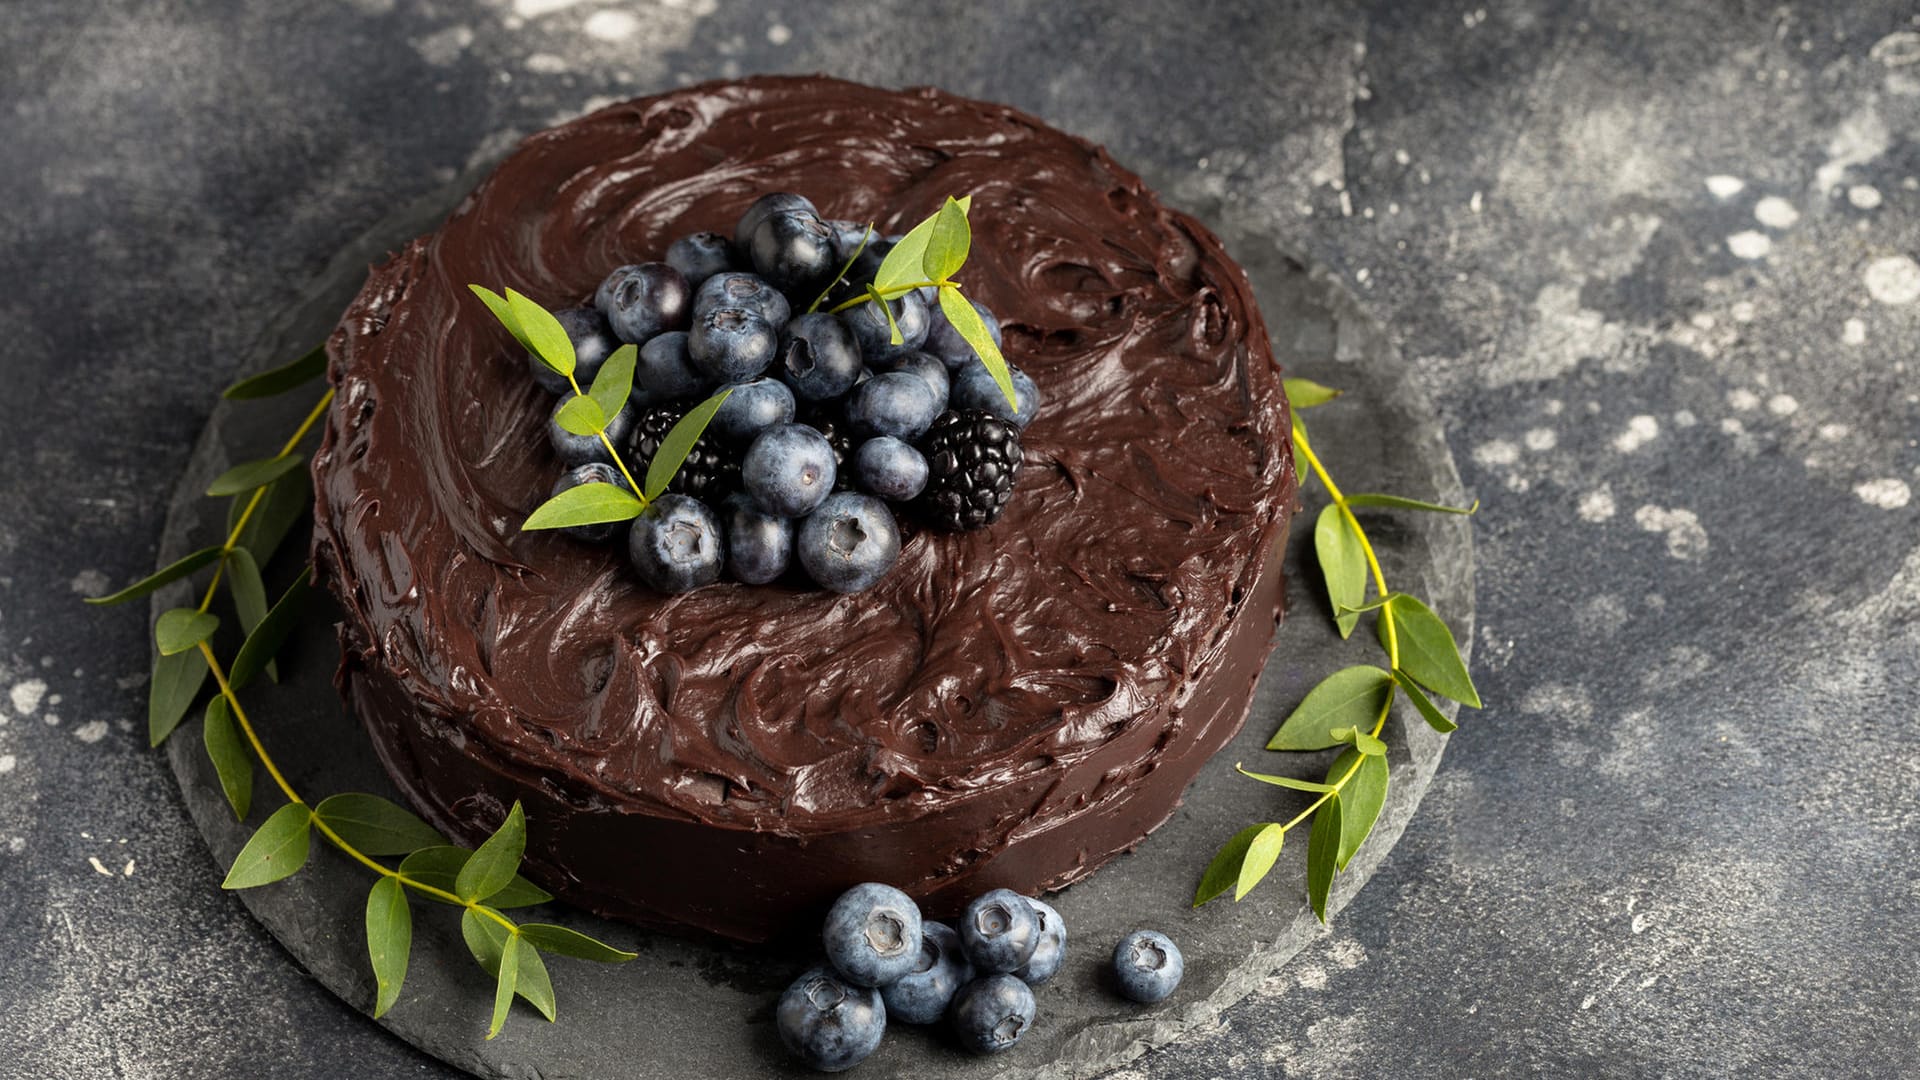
(972, 459)
(709, 472)
(820, 419)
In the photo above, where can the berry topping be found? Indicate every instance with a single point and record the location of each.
(974, 388)
(759, 545)
(580, 449)
(676, 544)
(731, 344)
(789, 470)
(593, 472)
(699, 256)
(643, 300)
(875, 336)
(889, 468)
(849, 543)
(664, 374)
(593, 342)
(751, 408)
(794, 251)
(741, 290)
(818, 357)
(972, 460)
(896, 403)
(763, 208)
(707, 474)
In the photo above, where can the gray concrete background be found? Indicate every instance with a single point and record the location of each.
(1655, 261)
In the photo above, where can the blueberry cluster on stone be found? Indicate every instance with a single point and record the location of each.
(829, 428)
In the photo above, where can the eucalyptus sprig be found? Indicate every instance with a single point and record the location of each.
(269, 497)
(1349, 708)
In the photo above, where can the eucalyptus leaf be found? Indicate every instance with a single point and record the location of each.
(277, 849)
(1223, 872)
(1260, 857)
(614, 381)
(175, 683)
(1428, 652)
(1310, 786)
(389, 940)
(947, 242)
(182, 628)
(559, 939)
(1397, 502)
(1306, 394)
(508, 979)
(973, 329)
(493, 863)
(678, 443)
(254, 474)
(375, 826)
(587, 504)
(1423, 704)
(249, 595)
(1360, 799)
(504, 312)
(266, 639)
(485, 938)
(1323, 854)
(1350, 697)
(167, 574)
(893, 326)
(543, 333)
(281, 506)
(278, 380)
(232, 761)
(1359, 739)
(906, 262)
(439, 867)
(581, 416)
(534, 985)
(1343, 563)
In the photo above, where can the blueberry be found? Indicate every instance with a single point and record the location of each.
(1050, 951)
(644, 300)
(931, 371)
(676, 544)
(896, 403)
(664, 373)
(818, 358)
(593, 472)
(593, 342)
(1000, 931)
(946, 343)
(872, 934)
(699, 256)
(738, 290)
(829, 1024)
(751, 408)
(975, 388)
(849, 543)
(763, 208)
(788, 470)
(759, 545)
(889, 468)
(992, 1012)
(1147, 966)
(793, 250)
(580, 449)
(731, 344)
(922, 995)
(870, 330)
(848, 237)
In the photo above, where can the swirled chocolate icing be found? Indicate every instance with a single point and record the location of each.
(1009, 707)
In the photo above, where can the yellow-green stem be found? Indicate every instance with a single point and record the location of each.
(618, 462)
(246, 514)
(890, 292)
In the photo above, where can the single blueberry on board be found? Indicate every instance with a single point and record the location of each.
(764, 207)
(740, 290)
(664, 373)
(889, 468)
(759, 545)
(931, 371)
(922, 995)
(699, 256)
(751, 408)
(974, 388)
(829, 1023)
(946, 343)
(593, 342)
(1051, 950)
(643, 300)
(872, 934)
(849, 543)
(593, 472)
(1147, 966)
(676, 544)
(818, 358)
(869, 325)
(580, 449)
(794, 251)
(1000, 931)
(992, 1012)
(896, 403)
(789, 470)
(730, 345)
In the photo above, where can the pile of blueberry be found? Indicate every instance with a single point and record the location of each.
(829, 426)
(884, 962)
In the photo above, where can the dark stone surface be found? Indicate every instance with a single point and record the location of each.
(1680, 840)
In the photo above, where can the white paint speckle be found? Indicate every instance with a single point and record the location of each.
(442, 47)
(1898, 49)
(1640, 922)
(1641, 430)
(1834, 432)
(8, 763)
(611, 25)
(127, 870)
(1775, 213)
(546, 64)
(98, 866)
(90, 583)
(91, 732)
(1684, 418)
(1859, 139)
(533, 9)
(17, 845)
(27, 695)
(1597, 506)
(779, 34)
(1894, 279)
(1474, 204)
(1725, 187)
(1347, 955)
(1541, 438)
(1887, 493)
(1742, 311)
(1782, 405)
(1864, 196)
(1686, 537)
(1312, 977)
(1495, 453)
(1749, 244)
(1743, 399)
(1854, 332)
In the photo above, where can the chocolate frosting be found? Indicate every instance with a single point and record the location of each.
(1008, 707)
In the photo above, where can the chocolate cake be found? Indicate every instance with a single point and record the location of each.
(1011, 707)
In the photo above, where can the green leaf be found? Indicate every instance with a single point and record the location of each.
(534, 985)
(581, 416)
(439, 867)
(1310, 786)
(1428, 651)
(1305, 393)
(893, 327)
(543, 333)
(282, 505)
(182, 628)
(865, 239)
(487, 940)
(176, 682)
(276, 850)
(504, 312)
(1350, 697)
(509, 978)
(232, 762)
(971, 328)
(279, 380)
(559, 939)
(376, 826)
(1397, 502)
(253, 474)
(249, 595)
(614, 381)
(1371, 605)
(1323, 854)
(493, 864)
(167, 574)
(1359, 739)
(679, 443)
(1224, 871)
(1343, 562)
(1360, 799)
(272, 632)
(1423, 704)
(947, 242)
(906, 262)
(587, 504)
(1260, 856)
(389, 940)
